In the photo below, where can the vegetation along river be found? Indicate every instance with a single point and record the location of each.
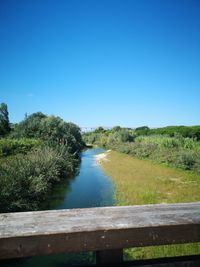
(89, 188)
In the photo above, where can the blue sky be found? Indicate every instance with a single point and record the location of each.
(102, 62)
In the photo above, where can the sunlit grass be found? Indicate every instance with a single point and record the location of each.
(161, 251)
(143, 182)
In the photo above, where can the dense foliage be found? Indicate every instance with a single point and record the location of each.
(177, 151)
(184, 131)
(34, 155)
(10, 146)
(4, 120)
(26, 179)
(51, 129)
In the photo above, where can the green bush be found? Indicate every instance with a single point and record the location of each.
(39, 151)
(186, 159)
(172, 131)
(26, 179)
(14, 146)
(50, 129)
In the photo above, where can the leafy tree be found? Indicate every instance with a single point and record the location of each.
(4, 120)
(52, 129)
(143, 130)
(125, 136)
(116, 128)
(75, 131)
(30, 127)
(99, 130)
(185, 131)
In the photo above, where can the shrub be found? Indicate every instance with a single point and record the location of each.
(15, 146)
(26, 179)
(186, 159)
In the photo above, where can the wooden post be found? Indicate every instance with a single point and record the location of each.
(109, 256)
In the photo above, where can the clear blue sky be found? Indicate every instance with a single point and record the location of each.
(102, 62)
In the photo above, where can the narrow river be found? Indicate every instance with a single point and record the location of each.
(89, 188)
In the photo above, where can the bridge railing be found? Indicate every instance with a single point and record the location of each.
(106, 230)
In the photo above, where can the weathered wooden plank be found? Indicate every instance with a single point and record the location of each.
(46, 232)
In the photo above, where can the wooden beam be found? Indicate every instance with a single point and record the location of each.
(57, 231)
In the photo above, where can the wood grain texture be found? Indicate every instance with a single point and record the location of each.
(46, 232)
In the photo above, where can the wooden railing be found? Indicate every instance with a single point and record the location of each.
(106, 230)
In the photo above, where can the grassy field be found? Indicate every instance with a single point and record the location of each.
(143, 182)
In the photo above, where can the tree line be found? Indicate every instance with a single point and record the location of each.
(185, 131)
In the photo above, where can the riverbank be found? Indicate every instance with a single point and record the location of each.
(100, 158)
(144, 182)
(175, 150)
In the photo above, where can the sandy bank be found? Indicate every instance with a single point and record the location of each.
(102, 157)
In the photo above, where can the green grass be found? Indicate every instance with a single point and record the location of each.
(144, 182)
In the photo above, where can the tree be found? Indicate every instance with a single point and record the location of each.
(116, 128)
(4, 120)
(143, 130)
(30, 127)
(51, 129)
(99, 130)
(125, 136)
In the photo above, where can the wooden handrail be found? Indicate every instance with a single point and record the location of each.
(97, 229)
